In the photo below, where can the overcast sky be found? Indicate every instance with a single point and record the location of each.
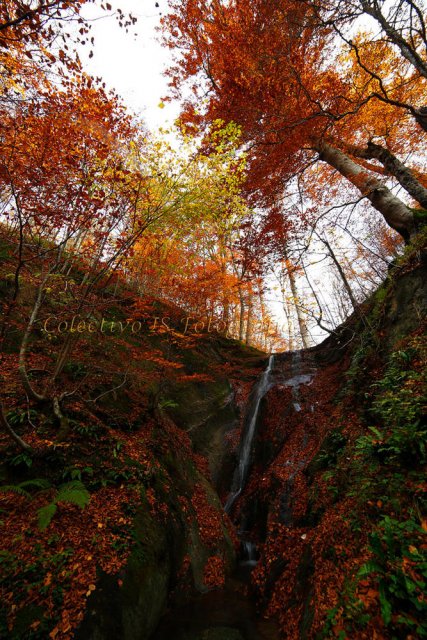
(132, 63)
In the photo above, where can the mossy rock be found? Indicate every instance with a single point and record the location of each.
(406, 307)
(132, 610)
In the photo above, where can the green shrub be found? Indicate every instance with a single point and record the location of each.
(399, 565)
(398, 405)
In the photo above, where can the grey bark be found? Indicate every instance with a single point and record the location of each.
(372, 8)
(24, 344)
(300, 316)
(249, 321)
(395, 212)
(396, 168)
(340, 271)
(4, 424)
(241, 316)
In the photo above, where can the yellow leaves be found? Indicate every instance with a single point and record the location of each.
(187, 186)
(91, 588)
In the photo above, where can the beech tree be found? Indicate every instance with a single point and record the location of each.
(272, 68)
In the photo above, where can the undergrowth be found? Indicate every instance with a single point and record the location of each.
(388, 482)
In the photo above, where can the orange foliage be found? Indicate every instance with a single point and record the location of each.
(214, 572)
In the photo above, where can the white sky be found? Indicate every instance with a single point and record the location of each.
(131, 63)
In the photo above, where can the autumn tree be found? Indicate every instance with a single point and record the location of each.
(189, 261)
(80, 187)
(401, 24)
(273, 69)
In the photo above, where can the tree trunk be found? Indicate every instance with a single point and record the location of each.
(264, 328)
(249, 321)
(395, 168)
(340, 271)
(397, 215)
(242, 316)
(300, 316)
(64, 424)
(4, 424)
(24, 344)
(421, 117)
(407, 50)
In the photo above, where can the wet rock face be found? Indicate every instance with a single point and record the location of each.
(154, 574)
(285, 508)
(129, 606)
(131, 611)
(298, 502)
(218, 615)
(248, 435)
(275, 506)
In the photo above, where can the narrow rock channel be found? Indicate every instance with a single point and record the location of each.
(230, 613)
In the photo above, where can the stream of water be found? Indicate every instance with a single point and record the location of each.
(229, 613)
(241, 473)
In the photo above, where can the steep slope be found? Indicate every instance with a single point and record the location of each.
(331, 506)
(114, 507)
(336, 499)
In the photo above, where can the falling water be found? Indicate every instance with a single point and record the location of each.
(240, 475)
(249, 554)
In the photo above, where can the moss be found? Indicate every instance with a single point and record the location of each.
(420, 215)
(328, 454)
(134, 609)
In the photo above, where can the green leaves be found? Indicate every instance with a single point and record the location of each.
(15, 489)
(400, 567)
(386, 609)
(22, 488)
(368, 568)
(398, 405)
(73, 492)
(45, 515)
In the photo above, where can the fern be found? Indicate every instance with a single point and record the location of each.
(368, 568)
(15, 488)
(45, 515)
(73, 492)
(71, 485)
(21, 488)
(36, 483)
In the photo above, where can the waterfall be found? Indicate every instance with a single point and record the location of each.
(240, 475)
(249, 554)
